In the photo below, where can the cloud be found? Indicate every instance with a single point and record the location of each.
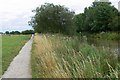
(17, 22)
(15, 14)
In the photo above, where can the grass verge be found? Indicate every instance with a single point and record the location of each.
(11, 45)
(57, 56)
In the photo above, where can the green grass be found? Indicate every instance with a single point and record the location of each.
(106, 36)
(11, 46)
(57, 56)
(0, 55)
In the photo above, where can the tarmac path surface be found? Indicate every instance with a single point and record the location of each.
(20, 66)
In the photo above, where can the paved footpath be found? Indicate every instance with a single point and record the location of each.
(20, 66)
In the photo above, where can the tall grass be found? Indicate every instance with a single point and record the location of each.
(106, 36)
(57, 56)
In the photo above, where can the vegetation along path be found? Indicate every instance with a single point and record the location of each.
(20, 66)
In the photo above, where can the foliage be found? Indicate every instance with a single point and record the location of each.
(115, 25)
(7, 32)
(17, 32)
(13, 32)
(101, 16)
(79, 21)
(106, 36)
(27, 32)
(50, 18)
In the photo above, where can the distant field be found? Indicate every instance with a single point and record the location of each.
(11, 46)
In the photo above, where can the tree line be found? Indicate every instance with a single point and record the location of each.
(101, 16)
(50, 18)
(18, 32)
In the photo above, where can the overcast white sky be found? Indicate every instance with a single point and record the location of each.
(15, 14)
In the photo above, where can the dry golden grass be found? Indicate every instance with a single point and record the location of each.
(42, 45)
(47, 59)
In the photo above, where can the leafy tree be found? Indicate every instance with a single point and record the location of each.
(50, 18)
(79, 22)
(101, 16)
(7, 32)
(27, 32)
(115, 25)
(14, 32)
(104, 14)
